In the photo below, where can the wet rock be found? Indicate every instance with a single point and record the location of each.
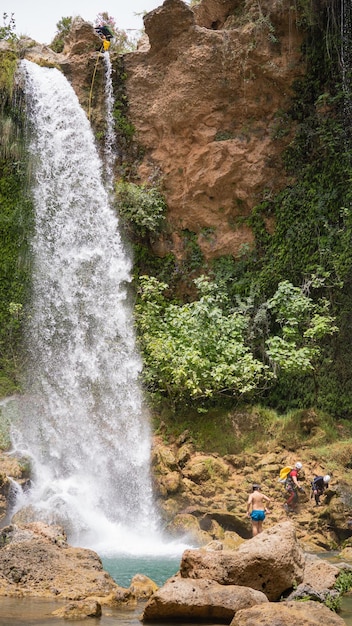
(36, 561)
(202, 599)
(288, 613)
(79, 610)
(142, 586)
(319, 574)
(271, 562)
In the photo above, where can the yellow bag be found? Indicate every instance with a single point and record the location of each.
(284, 472)
(106, 44)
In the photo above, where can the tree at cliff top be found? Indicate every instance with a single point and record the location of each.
(8, 29)
(63, 27)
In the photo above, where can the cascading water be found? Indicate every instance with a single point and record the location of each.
(109, 150)
(82, 420)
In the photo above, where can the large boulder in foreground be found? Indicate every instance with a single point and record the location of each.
(272, 562)
(204, 600)
(36, 561)
(287, 614)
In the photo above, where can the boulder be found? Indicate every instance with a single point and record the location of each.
(187, 524)
(142, 586)
(81, 39)
(35, 561)
(163, 459)
(319, 574)
(40, 54)
(182, 598)
(201, 468)
(121, 598)
(272, 562)
(79, 610)
(287, 614)
(170, 483)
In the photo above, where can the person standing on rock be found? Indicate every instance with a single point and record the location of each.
(256, 509)
(292, 488)
(319, 484)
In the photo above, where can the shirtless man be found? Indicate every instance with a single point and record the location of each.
(256, 509)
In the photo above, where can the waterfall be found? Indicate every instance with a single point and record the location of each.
(109, 148)
(81, 419)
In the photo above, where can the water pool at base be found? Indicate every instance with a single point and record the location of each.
(38, 611)
(123, 568)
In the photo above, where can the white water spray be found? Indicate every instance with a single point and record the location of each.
(109, 148)
(82, 419)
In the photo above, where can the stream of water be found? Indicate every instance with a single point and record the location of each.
(81, 420)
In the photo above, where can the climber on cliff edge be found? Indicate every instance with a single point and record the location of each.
(105, 33)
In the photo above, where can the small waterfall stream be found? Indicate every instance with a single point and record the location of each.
(81, 420)
(109, 147)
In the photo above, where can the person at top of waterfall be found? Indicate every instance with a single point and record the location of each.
(319, 484)
(256, 509)
(293, 487)
(104, 32)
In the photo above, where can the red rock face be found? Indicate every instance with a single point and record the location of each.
(204, 97)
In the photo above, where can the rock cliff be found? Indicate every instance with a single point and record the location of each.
(205, 96)
(206, 92)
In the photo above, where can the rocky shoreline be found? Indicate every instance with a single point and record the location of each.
(204, 495)
(230, 577)
(262, 577)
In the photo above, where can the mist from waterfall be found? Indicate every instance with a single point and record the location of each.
(81, 419)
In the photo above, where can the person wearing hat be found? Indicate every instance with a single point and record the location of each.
(319, 484)
(292, 488)
(256, 509)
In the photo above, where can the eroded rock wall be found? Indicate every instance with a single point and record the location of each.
(204, 97)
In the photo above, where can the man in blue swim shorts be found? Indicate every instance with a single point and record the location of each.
(256, 509)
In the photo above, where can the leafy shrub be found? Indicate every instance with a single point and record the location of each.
(7, 30)
(63, 29)
(195, 350)
(141, 207)
(344, 581)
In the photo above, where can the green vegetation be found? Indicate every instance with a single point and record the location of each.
(8, 28)
(140, 207)
(15, 226)
(63, 27)
(290, 293)
(344, 581)
(343, 585)
(250, 428)
(204, 349)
